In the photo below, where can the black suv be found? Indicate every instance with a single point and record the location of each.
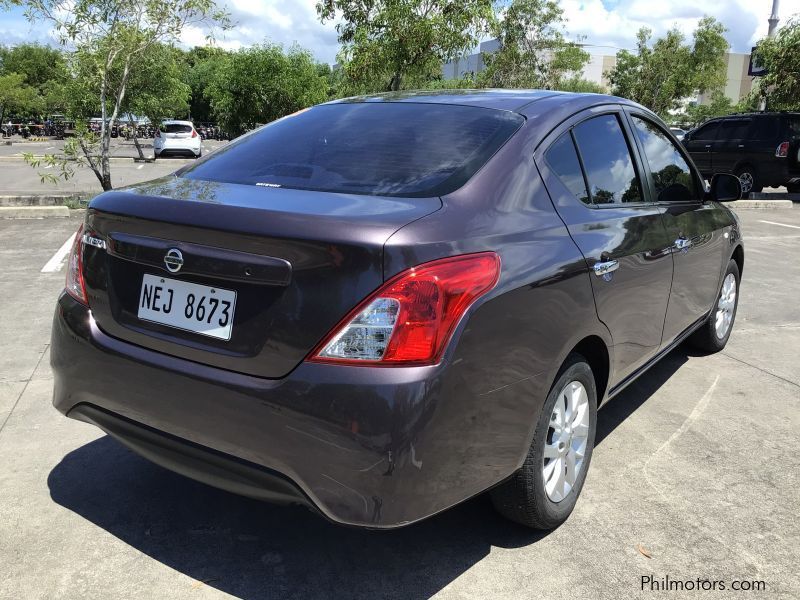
(760, 148)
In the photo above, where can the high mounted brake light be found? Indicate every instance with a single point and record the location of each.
(411, 318)
(75, 285)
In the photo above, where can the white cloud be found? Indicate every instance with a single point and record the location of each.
(614, 23)
(610, 23)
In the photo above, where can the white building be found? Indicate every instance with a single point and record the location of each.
(738, 85)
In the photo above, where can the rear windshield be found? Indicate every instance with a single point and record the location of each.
(176, 128)
(388, 149)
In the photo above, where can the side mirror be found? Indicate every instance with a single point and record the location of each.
(724, 188)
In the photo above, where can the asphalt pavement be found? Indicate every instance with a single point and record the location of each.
(696, 475)
(19, 178)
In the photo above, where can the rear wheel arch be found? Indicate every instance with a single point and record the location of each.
(595, 351)
(738, 256)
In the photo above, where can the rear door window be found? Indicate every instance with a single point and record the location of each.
(563, 159)
(764, 127)
(734, 129)
(671, 175)
(607, 160)
(381, 148)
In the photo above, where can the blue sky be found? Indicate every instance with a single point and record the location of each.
(605, 24)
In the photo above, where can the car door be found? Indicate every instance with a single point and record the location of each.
(695, 227)
(701, 145)
(592, 179)
(731, 148)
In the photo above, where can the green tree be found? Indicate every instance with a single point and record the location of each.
(577, 84)
(17, 97)
(389, 45)
(42, 66)
(780, 55)
(661, 74)
(161, 91)
(202, 65)
(720, 105)
(115, 35)
(262, 83)
(533, 49)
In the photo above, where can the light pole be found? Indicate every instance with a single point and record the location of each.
(773, 25)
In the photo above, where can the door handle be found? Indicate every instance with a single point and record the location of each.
(708, 145)
(741, 145)
(606, 267)
(683, 244)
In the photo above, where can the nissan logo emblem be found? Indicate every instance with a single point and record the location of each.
(173, 260)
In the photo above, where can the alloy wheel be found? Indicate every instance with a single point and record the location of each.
(725, 306)
(565, 444)
(746, 180)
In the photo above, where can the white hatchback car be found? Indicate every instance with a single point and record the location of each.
(177, 137)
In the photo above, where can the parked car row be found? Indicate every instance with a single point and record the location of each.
(762, 149)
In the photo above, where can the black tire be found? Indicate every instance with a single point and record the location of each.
(749, 170)
(706, 338)
(793, 188)
(523, 498)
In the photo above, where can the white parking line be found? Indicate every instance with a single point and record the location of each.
(140, 167)
(780, 224)
(57, 260)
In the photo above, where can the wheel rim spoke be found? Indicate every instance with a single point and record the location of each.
(566, 443)
(726, 305)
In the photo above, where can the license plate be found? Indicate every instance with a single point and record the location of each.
(198, 308)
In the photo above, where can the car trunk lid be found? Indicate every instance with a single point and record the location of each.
(297, 262)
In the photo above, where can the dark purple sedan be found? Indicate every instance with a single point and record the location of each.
(382, 306)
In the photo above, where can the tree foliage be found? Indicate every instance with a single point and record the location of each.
(389, 45)
(114, 36)
(780, 55)
(661, 74)
(262, 83)
(534, 52)
(18, 98)
(580, 85)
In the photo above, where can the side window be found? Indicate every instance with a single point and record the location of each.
(607, 159)
(672, 176)
(563, 160)
(734, 129)
(707, 132)
(763, 127)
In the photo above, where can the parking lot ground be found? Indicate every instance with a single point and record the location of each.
(19, 178)
(697, 466)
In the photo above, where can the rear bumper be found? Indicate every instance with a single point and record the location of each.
(369, 447)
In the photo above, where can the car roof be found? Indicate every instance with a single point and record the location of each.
(175, 122)
(501, 99)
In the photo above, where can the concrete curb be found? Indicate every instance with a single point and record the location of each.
(760, 204)
(44, 199)
(32, 212)
(112, 159)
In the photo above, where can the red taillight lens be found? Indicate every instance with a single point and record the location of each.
(75, 285)
(158, 133)
(410, 319)
(194, 133)
(782, 151)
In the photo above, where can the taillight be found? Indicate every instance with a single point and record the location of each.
(782, 151)
(194, 133)
(75, 285)
(158, 133)
(410, 319)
